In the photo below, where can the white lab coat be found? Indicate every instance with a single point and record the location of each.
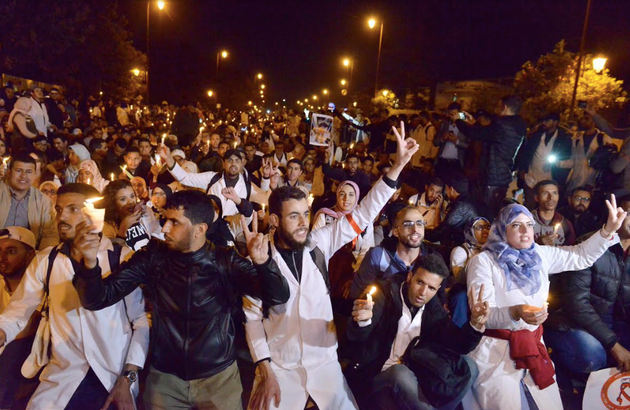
(497, 387)
(39, 114)
(103, 340)
(202, 180)
(299, 336)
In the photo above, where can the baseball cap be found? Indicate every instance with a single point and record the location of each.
(178, 153)
(19, 234)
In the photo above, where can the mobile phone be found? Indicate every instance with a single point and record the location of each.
(582, 104)
(462, 116)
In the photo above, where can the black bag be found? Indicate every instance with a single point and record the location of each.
(603, 155)
(442, 373)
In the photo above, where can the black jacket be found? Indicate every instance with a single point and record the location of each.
(194, 296)
(561, 149)
(372, 344)
(583, 297)
(501, 142)
(450, 231)
(360, 178)
(582, 224)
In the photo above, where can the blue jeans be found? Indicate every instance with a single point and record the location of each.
(458, 305)
(397, 388)
(576, 350)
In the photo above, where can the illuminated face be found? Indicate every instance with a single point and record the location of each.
(125, 201)
(73, 158)
(250, 152)
(84, 175)
(69, 214)
(547, 197)
(481, 229)
(368, 167)
(520, 233)
(138, 187)
(21, 175)
(292, 225)
(223, 147)
(132, 160)
(432, 192)
(409, 228)
(580, 201)
(145, 149)
(158, 197)
(14, 257)
(353, 165)
(346, 198)
(215, 139)
(178, 230)
(422, 286)
(233, 166)
(293, 172)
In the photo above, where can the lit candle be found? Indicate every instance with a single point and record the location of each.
(163, 138)
(208, 143)
(263, 208)
(157, 159)
(410, 201)
(310, 200)
(556, 228)
(112, 176)
(352, 145)
(5, 160)
(124, 170)
(370, 293)
(235, 144)
(96, 217)
(88, 181)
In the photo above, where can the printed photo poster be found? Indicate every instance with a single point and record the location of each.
(321, 129)
(607, 389)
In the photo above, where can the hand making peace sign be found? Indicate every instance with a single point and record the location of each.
(478, 308)
(257, 243)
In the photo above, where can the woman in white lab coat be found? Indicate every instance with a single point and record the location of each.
(515, 274)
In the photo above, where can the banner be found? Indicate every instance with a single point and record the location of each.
(321, 129)
(607, 389)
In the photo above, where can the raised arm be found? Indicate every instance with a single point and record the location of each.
(186, 178)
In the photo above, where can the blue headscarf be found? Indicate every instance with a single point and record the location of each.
(521, 267)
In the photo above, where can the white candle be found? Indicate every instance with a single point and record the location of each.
(163, 138)
(5, 160)
(88, 181)
(112, 176)
(157, 159)
(263, 208)
(370, 293)
(96, 217)
(556, 228)
(310, 200)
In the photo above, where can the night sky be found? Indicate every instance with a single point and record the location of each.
(298, 45)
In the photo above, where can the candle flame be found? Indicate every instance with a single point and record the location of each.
(372, 290)
(112, 176)
(88, 181)
(92, 200)
(5, 160)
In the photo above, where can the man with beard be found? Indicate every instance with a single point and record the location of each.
(578, 213)
(94, 356)
(197, 287)
(295, 344)
(396, 254)
(431, 203)
(214, 182)
(551, 227)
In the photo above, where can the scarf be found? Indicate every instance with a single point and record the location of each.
(337, 213)
(521, 266)
(469, 233)
(97, 180)
(22, 106)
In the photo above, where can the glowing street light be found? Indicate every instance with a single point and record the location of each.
(343, 82)
(249, 103)
(136, 72)
(160, 5)
(221, 54)
(262, 86)
(259, 76)
(372, 24)
(210, 93)
(346, 62)
(385, 92)
(306, 100)
(224, 54)
(314, 97)
(599, 63)
(325, 91)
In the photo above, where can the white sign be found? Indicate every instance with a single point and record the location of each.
(607, 389)
(321, 129)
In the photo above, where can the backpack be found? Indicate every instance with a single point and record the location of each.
(603, 155)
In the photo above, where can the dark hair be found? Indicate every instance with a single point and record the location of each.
(77, 188)
(295, 161)
(121, 143)
(454, 106)
(96, 144)
(23, 157)
(350, 156)
(584, 188)
(54, 155)
(543, 183)
(196, 205)
(143, 139)
(433, 263)
(513, 102)
(250, 144)
(109, 194)
(59, 137)
(281, 195)
(436, 181)
(132, 149)
(367, 158)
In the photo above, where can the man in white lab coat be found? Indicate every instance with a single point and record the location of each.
(295, 344)
(94, 356)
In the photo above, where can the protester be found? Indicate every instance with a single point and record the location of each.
(578, 213)
(514, 272)
(23, 125)
(76, 154)
(431, 203)
(552, 228)
(90, 174)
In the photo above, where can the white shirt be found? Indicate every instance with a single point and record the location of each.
(5, 296)
(450, 150)
(540, 168)
(103, 340)
(39, 114)
(408, 328)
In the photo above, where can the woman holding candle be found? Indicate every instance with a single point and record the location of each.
(514, 272)
(89, 174)
(125, 218)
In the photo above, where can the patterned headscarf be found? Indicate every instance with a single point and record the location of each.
(97, 180)
(521, 266)
(469, 232)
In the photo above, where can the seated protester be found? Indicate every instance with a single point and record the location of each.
(392, 259)
(589, 330)
(214, 183)
(459, 212)
(431, 203)
(17, 249)
(476, 234)
(578, 213)
(405, 334)
(515, 371)
(279, 156)
(49, 188)
(551, 227)
(76, 154)
(180, 157)
(225, 228)
(350, 172)
(92, 354)
(24, 205)
(127, 220)
(140, 188)
(89, 174)
(346, 260)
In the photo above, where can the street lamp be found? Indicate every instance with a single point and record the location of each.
(372, 24)
(160, 5)
(210, 93)
(385, 92)
(349, 64)
(259, 76)
(223, 54)
(343, 82)
(314, 97)
(262, 86)
(599, 63)
(325, 91)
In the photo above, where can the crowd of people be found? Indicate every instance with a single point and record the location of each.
(428, 260)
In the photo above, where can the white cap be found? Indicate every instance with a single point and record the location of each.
(19, 234)
(178, 153)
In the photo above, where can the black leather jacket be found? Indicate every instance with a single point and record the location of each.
(194, 298)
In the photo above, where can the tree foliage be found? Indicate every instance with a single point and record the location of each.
(547, 85)
(83, 45)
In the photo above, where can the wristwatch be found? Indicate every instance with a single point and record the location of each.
(131, 376)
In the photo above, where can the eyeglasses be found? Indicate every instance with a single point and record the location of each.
(159, 194)
(582, 198)
(410, 224)
(481, 228)
(49, 192)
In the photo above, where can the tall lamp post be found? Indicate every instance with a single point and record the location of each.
(160, 5)
(221, 54)
(580, 57)
(372, 24)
